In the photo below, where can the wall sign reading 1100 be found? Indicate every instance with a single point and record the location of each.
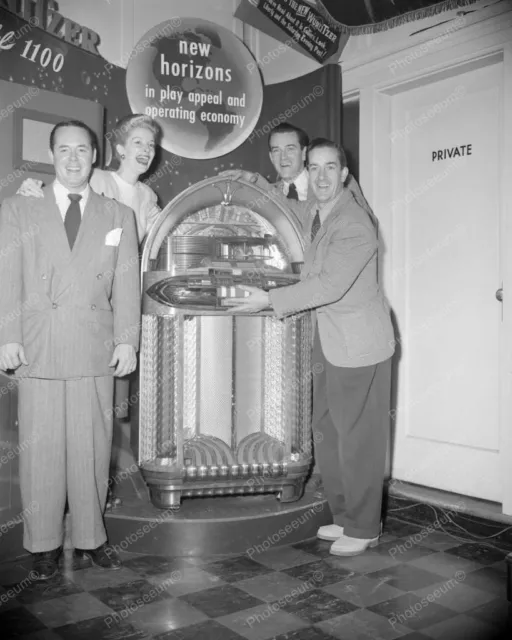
(454, 152)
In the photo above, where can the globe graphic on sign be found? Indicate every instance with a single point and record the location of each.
(199, 82)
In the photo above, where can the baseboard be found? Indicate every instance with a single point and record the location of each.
(467, 519)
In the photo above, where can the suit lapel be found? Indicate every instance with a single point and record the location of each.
(331, 216)
(52, 232)
(310, 247)
(89, 227)
(83, 249)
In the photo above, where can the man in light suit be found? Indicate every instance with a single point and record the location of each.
(287, 147)
(354, 343)
(70, 299)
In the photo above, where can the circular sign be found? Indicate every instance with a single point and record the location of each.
(199, 82)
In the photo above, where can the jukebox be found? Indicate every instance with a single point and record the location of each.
(225, 399)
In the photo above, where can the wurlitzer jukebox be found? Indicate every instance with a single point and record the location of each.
(225, 399)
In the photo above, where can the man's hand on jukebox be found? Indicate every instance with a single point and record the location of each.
(124, 359)
(246, 176)
(12, 356)
(31, 187)
(257, 300)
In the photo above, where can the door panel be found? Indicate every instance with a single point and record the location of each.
(446, 269)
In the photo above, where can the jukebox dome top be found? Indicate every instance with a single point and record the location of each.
(214, 237)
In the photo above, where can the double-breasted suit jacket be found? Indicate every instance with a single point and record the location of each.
(339, 281)
(69, 309)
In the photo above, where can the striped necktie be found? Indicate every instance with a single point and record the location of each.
(73, 218)
(316, 225)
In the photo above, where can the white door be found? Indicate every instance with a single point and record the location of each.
(443, 272)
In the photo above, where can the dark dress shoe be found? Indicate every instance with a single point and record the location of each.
(104, 556)
(46, 563)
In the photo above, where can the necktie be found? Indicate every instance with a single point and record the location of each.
(292, 192)
(316, 225)
(73, 218)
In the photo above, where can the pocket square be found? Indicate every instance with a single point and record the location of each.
(113, 237)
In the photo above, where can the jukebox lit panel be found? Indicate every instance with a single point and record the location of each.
(224, 398)
(222, 416)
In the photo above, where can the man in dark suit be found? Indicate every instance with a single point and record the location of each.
(71, 292)
(287, 146)
(287, 150)
(354, 343)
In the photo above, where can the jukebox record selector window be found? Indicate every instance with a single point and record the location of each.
(227, 263)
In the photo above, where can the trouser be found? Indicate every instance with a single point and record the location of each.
(69, 423)
(351, 424)
(126, 480)
(122, 397)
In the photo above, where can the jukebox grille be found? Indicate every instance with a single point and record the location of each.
(301, 440)
(274, 422)
(149, 389)
(190, 373)
(168, 367)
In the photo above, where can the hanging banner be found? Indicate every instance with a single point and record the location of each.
(194, 78)
(39, 60)
(295, 22)
(33, 56)
(45, 15)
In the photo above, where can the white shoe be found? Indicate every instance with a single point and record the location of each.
(346, 546)
(330, 532)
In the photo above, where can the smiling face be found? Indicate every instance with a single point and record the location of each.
(286, 155)
(326, 175)
(73, 157)
(138, 150)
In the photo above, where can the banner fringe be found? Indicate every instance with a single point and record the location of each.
(410, 16)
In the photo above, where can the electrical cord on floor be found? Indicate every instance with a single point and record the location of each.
(448, 515)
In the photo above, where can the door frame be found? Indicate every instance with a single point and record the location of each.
(376, 87)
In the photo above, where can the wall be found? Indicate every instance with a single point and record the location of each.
(350, 135)
(106, 17)
(121, 23)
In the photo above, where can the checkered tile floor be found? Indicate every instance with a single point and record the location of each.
(410, 587)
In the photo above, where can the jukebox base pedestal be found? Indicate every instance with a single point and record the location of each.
(171, 498)
(207, 526)
(167, 489)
